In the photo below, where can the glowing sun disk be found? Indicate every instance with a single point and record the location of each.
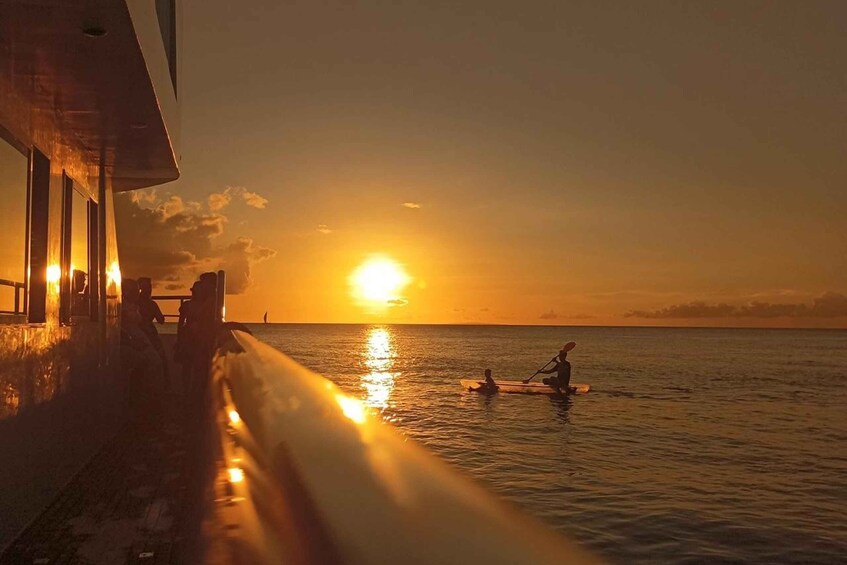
(378, 280)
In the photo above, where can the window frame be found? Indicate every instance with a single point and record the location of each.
(38, 220)
(21, 306)
(66, 314)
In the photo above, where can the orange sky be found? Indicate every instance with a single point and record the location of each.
(567, 163)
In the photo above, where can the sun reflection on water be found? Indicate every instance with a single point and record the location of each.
(379, 359)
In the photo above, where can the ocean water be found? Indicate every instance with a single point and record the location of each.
(695, 445)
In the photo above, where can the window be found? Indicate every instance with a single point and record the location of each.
(13, 204)
(166, 11)
(76, 252)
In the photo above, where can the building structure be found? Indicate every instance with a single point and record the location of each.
(89, 106)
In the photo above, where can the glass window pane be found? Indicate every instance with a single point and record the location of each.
(13, 172)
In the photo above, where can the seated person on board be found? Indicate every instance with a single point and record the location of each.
(489, 386)
(562, 380)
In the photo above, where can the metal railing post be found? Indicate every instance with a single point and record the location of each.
(220, 298)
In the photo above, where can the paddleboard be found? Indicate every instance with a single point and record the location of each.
(518, 387)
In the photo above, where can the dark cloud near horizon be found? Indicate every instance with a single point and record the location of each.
(173, 242)
(828, 305)
(237, 259)
(551, 315)
(397, 302)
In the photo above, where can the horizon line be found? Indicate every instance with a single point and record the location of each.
(261, 323)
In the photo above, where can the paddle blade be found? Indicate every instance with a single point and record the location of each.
(568, 346)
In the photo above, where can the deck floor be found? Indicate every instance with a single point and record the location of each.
(139, 500)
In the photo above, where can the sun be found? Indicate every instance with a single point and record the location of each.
(378, 281)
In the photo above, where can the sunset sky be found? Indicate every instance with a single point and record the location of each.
(526, 163)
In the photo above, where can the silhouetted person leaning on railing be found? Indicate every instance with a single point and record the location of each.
(140, 361)
(195, 333)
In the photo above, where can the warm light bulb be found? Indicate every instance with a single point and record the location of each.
(236, 474)
(113, 273)
(54, 274)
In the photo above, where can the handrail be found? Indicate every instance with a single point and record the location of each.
(313, 477)
(18, 286)
(181, 297)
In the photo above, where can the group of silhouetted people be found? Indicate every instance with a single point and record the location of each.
(561, 382)
(142, 352)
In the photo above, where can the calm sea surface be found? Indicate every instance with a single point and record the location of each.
(694, 444)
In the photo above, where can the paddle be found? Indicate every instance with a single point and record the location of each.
(539, 370)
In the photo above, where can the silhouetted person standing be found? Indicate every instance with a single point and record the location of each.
(138, 355)
(195, 332)
(150, 312)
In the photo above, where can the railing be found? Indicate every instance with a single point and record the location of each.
(181, 297)
(311, 477)
(19, 287)
(220, 298)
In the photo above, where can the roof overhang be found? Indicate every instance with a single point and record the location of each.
(101, 95)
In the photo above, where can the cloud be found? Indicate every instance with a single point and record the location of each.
(146, 196)
(171, 241)
(397, 302)
(237, 259)
(828, 305)
(551, 315)
(220, 200)
(412, 205)
(253, 200)
(172, 206)
(581, 317)
(324, 229)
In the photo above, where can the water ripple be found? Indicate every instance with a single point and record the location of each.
(722, 446)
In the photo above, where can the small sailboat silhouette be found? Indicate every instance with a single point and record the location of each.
(265, 317)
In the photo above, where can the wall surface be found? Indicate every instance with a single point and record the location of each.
(62, 394)
(60, 398)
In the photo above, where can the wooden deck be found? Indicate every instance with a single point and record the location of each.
(140, 499)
